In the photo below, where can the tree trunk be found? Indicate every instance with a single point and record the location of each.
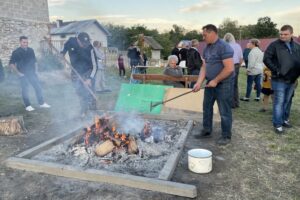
(12, 125)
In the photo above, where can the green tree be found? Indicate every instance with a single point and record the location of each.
(193, 35)
(134, 32)
(164, 40)
(248, 31)
(265, 28)
(176, 34)
(119, 36)
(230, 26)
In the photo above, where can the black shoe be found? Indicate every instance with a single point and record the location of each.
(287, 124)
(244, 99)
(203, 134)
(279, 130)
(262, 110)
(223, 140)
(257, 99)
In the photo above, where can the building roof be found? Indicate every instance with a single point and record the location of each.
(153, 43)
(77, 26)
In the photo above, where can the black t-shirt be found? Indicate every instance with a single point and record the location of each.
(183, 53)
(24, 59)
(175, 52)
(80, 57)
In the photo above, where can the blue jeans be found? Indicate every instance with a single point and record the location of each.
(235, 97)
(86, 100)
(34, 81)
(282, 97)
(193, 72)
(257, 81)
(223, 95)
(135, 70)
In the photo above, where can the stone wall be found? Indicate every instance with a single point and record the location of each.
(34, 10)
(22, 17)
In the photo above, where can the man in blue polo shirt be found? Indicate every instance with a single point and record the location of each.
(23, 62)
(218, 70)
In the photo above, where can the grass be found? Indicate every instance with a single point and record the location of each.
(259, 164)
(248, 112)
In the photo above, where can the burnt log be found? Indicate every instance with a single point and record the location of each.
(104, 148)
(12, 125)
(132, 146)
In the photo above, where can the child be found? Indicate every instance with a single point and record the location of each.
(266, 89)
(121, 65)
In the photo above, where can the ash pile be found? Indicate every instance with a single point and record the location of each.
(129, 145)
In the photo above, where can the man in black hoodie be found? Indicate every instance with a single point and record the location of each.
(282, 57)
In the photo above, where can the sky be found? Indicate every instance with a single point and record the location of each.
(191, 14)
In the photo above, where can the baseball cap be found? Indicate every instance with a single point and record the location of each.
(84, 38)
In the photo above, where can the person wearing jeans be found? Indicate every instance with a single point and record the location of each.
(23, 61)
(222, 94)
(254, 70)
(282, 102)
(237, 60)
(282, 57)
(34, 81)
(218, 70)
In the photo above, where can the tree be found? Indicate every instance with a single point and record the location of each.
(248, 31)
(118, 38)
(176, 34)
(193, 35)
(230, 26)
(265, 28)
(164, 40)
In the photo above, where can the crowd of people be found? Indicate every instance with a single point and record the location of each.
(273, 72)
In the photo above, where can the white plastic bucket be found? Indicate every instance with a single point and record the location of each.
(200, 160)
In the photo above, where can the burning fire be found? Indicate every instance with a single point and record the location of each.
(104, 134)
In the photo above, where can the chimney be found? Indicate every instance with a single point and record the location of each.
(59, 23)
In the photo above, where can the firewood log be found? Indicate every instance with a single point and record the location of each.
(132, 146)
(12, 125)
(104, 148)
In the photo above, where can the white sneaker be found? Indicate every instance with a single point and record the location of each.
(29, 108)
(45, 105)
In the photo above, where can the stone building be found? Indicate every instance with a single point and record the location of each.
(22, 17)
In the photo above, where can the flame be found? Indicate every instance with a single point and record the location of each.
(116, 135)
(123, 137)
(103, 130)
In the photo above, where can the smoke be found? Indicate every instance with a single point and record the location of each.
(61, 95)
(130, 122)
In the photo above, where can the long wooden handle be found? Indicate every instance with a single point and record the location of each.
(69, 64)
(162, 102)
(177, 96)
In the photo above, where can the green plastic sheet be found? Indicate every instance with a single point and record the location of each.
(138, 97)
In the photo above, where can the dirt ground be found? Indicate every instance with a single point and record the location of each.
(248, 168)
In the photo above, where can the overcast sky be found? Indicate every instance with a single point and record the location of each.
(191, 14)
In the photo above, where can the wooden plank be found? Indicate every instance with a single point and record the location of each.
(151, 184)
(162, 77)
(169, 167)
(47, 145)
(174, 116)
(166, 115)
